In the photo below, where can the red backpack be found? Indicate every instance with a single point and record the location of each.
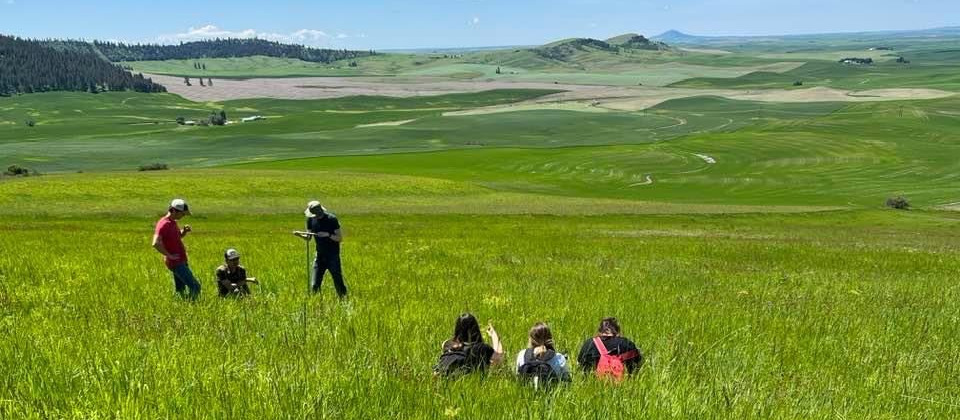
(611, 366)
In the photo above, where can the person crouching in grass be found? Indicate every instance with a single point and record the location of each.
(466, 352)
(609, 354)
(232, 277)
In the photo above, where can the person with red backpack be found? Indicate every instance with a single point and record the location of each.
(466, 352)
(608, 354)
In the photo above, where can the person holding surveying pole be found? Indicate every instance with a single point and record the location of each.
(324, 228)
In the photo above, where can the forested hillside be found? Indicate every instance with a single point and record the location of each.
(222, 48)
(28, 66)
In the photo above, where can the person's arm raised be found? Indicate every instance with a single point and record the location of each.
(497, 345)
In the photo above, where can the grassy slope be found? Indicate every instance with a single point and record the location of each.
(839, 314)
(860, 154)
(112, 134)
(265, 191)
(122, 130)
(934, 62)
(585, 67)
(259, 66)
(767, 154)
(742, 316)
(853, 77)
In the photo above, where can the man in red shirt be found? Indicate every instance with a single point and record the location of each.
(167, 240)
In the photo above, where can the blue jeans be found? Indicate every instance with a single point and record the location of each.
(182, 279)
(320, 266)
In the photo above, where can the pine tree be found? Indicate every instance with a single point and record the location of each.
(42, 66)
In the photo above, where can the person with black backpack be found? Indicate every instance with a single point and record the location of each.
(540, 362)
(466, 352)
(608, 354)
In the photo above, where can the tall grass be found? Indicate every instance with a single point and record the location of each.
(843, 314)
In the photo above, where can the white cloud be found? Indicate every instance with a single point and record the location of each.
(310, 35)
(342, 36)
(475, 21)
(301, 36)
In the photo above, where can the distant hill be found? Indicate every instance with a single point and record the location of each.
(621, 39)
(222, 48)
(564, 49)
(677, 37)
(637, 42)
(28, 66)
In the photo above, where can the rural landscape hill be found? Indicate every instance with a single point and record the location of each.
(772, 220)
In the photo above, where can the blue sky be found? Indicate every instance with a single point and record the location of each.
(388, 24)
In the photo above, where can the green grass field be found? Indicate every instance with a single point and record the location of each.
(589, 68)
(843, 76)
(260, 66)
(818, 154)
(808, 315)
(743, 245)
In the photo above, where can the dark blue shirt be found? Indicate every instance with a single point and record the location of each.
(328, 224)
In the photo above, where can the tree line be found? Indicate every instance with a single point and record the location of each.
(222, 48)
(28, 66)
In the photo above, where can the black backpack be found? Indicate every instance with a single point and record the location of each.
(457, 361)
(538, 370)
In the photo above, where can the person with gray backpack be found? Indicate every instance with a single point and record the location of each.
(466, 352)
(540, 363)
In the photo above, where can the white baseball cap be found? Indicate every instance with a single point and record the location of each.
(180, 205)
(314, 209)
(231, 254)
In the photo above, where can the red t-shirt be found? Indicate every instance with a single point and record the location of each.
(169, 235)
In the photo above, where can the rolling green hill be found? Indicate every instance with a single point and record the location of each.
(743, 245)
(817, 154)
(843, 76)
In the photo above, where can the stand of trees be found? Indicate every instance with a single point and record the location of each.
(222, 48)
(28, 66)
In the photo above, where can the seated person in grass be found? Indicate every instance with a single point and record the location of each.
(232, 278)
(466, 352)
(619, 355)
(540, 362)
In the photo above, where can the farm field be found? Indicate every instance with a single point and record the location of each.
(842, 76)
(261, 66)
(703, 150)
(733, 221)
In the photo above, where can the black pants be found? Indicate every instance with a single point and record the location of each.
(320, 266)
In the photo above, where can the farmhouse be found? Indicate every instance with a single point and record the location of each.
(858, 61)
